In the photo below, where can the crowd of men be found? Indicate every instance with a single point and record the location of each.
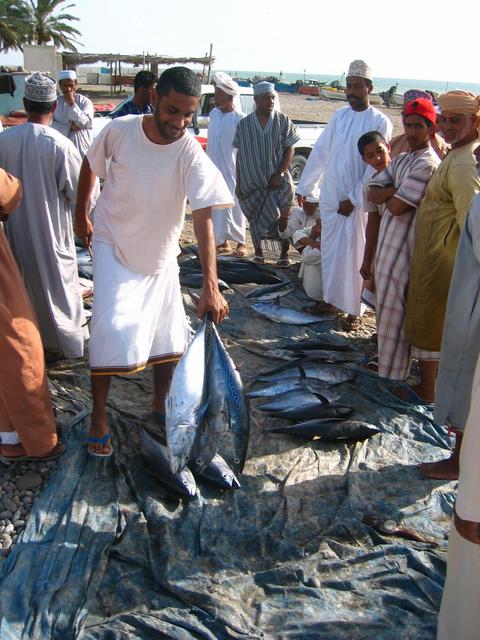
(394, 224)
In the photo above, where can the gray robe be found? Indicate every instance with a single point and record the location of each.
(461, 333)
(40, 231)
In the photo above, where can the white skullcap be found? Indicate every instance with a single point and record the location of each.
(67, 74)
(40, 88)
(227, 84)
(359, 69)
(263, 87)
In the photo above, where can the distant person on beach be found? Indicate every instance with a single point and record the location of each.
(439, 221)
(138, 315)
(27, 423)
(265, 141)
(73, 115)
(335, 157)
(228, 224)
(400, 187)
(141, 101)
(399, 144)
(459, 617)
(41, 231)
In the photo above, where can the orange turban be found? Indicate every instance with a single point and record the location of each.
(462, 102)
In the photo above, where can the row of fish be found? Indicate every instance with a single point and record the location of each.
(229, 270)
(304, 390)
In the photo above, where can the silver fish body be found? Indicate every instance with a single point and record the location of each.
(313, 411)
(228, 409)
(313, 385)
(185, 405)
(287, 315)
(330, 430)
(155, 456)
(274, 290)
(295, 398)
(330, 373)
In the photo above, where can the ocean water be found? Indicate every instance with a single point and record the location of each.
(379, 84)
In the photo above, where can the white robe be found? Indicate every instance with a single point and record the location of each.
(40, 230)
(80, 115)
(228, 224)
(459, 617)
(335, 156)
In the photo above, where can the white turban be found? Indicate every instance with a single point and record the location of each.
(67, 74)
(227, 84)
(40, 88)
(359, 69)
(263, 87)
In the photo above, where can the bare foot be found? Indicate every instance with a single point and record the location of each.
(241, 251)
(441, 470)
(414, 394)
(320, 308)
(224, 248)
(351, 323)
(99, 431)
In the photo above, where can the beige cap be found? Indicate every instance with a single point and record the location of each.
(359, 69)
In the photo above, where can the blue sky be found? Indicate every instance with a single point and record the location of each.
(405, 40)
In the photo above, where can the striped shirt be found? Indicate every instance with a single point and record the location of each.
(129, 108)
(260, 152)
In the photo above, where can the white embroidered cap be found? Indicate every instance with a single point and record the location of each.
(40, 88)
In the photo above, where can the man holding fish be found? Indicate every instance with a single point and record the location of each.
(138, 316)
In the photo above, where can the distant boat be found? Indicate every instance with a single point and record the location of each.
(333, 94)
(309, 90)
(284, 87)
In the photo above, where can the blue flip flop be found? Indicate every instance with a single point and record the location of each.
(102, 441)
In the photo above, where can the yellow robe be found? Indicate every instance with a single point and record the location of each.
(439, 222)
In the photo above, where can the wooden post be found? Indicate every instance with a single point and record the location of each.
(120, 74)
(111, 77)
(210, 64)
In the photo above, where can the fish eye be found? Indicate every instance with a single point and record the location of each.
(236, 460)
(198, 460)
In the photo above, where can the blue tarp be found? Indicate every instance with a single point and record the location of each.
(109, 553)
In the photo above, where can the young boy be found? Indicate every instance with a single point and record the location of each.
(298, 218)
(400, 187)
(375, 152)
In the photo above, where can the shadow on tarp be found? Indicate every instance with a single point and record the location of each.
(109, 553)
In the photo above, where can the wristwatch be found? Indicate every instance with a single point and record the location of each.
(281, 174)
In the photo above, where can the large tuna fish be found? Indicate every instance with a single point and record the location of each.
(228, 410)
(330, 430)
(186, 401)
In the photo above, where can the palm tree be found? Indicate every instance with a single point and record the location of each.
(44, 25)
(13, 24)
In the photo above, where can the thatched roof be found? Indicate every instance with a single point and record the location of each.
(75, 58)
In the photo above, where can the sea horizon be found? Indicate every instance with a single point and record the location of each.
(379, 83)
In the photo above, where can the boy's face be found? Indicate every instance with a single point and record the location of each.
(417, 132)
(377, 155)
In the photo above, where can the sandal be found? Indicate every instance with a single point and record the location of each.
(282, 263)
(57, 451)
(241, 252)
(351, 323)
(103, 441)
(258, 259)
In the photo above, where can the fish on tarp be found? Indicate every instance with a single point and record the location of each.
(314, 411)
(325, 342)
(155, 456)
(331, 373)
(329, 430)
(236, 272)
(281, 288)
(294, 398)
(218, 473)
(279, 387)
(324, 355)
(287, 315)
(85, 271)
(195, 281)
(228, 409)
(84, 258)
(186, 401)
